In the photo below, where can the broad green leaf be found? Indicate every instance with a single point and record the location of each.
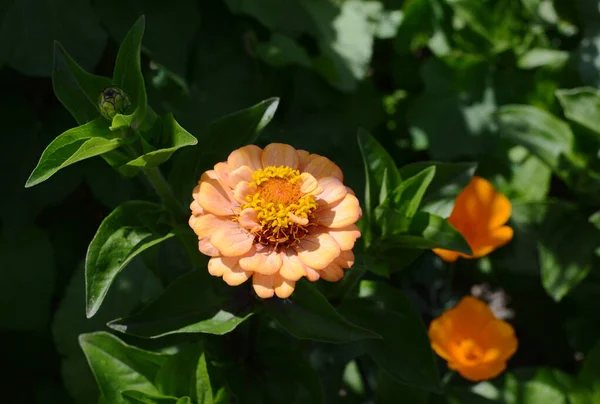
(27, 263)
(587, 384)
(448, 182)
(70, 321)
(404, 352)
(543, 134)
(80, 143)
(582, 105)
(539, 57)
(127, 231)
(543, 386)
(30, 26)
(190, 362)
(310, 316)
(118, 367)
(404, 201)
(567, 242)
(217, 141)
(282, 51)
(589, 46)
(128, 76)
(425, 231)
(167, 136)
(76, 89)
(194, 303)
(388, 391)
(139, 397)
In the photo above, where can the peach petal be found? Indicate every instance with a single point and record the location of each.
(222, 170)
(279, 154)
(216, 266)
(292, 268)
(196, 208)
(284, 287)
(245, 156)
(266, 262)
(332, 273)
(333, 191)
(242, 190)
(342, 214)
(311, 274)
(318, 251)
(215, 199)
(304, 158)
(321, 167)
(205, 225)
(345, 236)
(243, 173)
(206, 248)
(229, 269)
(264, 285)
(346, 259)
(248, 219)
(307, 183)
(232, 241)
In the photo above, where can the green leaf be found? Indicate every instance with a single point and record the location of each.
(543, 134)
(582, 105)
(425, 231)
(405, 352)
(127, 231)
(138, 397)
(128, 76)
(388, 391)
(282, 51)
(190, 362)
(539, 57)
(587, 385)
(118, 367)
(218, 140)
(404, 201)
(308, 315)
(167, 136)
(566, 245)
(194, 303)
(76, 89)
(30, 26)
(80, 143)
(27, 282)
(449, 181)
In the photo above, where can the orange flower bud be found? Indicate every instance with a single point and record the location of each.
(474, 342)
(480, 214)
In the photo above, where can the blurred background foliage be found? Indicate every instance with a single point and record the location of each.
(430, 79)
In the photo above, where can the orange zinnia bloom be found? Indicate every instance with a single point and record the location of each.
(275, 215)
(473, 341)
(479, 214)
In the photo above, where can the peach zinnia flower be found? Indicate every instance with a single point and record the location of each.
(275, 215)
(480, 214)
(473, 341)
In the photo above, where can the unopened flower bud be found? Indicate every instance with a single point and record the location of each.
(113, 101)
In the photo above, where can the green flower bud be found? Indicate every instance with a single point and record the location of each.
(113, 101)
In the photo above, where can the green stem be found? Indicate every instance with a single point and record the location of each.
(164, 191)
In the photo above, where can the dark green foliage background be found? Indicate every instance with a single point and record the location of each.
(430, 79)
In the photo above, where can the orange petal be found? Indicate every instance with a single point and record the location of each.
(440, 334)
(283, 287)
(205, 225)
(264, 285)
(318, 251)
(332, 273)
(345, 236)
(333, 191)
(486, 243)
(243, 173)
(470, 316)
(245, 156)
(279, 154)
(500, 211)
(446, 255)
(342, 214)
(499, 335)
(215, 199)
(480, 372)
(266, 262)
(292, 267)
(321, 167)
(307, 183)
(206, 248)
(232, 241)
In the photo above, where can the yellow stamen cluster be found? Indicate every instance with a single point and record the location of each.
(282, 209)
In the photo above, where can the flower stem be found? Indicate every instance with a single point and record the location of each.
(164, 191)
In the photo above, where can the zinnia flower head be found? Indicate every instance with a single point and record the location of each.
(474, 342)
(275, 215)
(480, 214)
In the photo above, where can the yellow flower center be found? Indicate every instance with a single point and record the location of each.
(283, 211)
(468, 352)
